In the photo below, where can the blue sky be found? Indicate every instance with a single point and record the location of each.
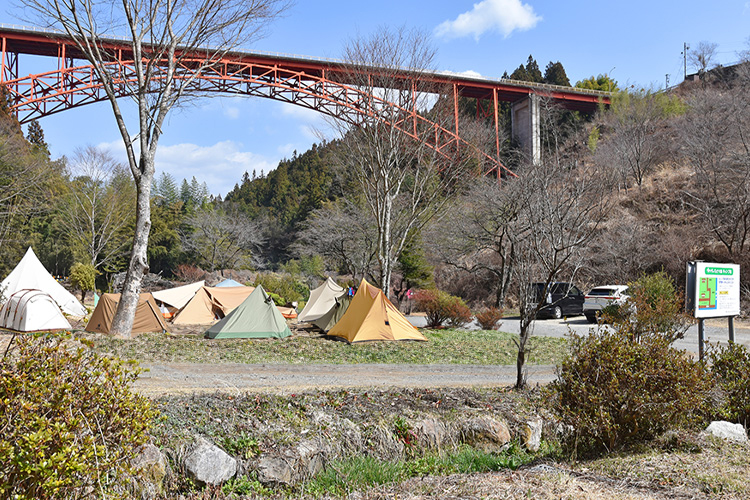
(218, 139)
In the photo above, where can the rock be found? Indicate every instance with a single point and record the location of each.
(311, 458)
(531, 434)
(430, 433)
(149, 467)
(209, 464)
(274, 471)
(485, 432)
(727, 430)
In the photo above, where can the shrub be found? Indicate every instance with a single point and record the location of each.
(285, 287)
(730, 367)
(187, 272)
(83, 278)
(442, 307)
(615, 392)
(488, 318)
(70, 421)
(655, 309)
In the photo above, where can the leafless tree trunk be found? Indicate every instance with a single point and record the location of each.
(404, 181)
(99, 206)
(163, 35)
(561, 205)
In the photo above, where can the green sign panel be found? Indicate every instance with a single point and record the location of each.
(717, 290)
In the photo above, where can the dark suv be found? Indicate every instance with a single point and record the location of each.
(561, 299)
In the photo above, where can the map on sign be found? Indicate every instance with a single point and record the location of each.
(717, 291)
(707, 293)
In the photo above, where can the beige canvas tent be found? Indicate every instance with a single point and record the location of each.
(31, 274)
(147, 315)
(32, 311)
(211, 303)
(371, 316)
(173, 299)
(321, 301)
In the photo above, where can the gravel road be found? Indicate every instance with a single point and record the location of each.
(186, 378)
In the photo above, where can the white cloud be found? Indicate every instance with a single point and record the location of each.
(503, 16)
(232, 113)
(468, 73)
(220, 165)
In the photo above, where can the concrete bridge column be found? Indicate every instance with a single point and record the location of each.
(525, 126)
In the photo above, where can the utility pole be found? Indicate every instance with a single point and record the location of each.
(666, 87)
(685, 48)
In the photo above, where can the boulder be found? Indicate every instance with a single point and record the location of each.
(531, 434)
(209, 464)
(485, 432)
(274, 472)
(727, 430)
(149, 466)
(430, 432)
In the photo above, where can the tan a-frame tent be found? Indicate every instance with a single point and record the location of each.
(172, 300)
(147, 315)
(257, 317)
(211, 303)
(371, 316)
(321, 301)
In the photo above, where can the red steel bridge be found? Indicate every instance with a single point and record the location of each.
(322, 85)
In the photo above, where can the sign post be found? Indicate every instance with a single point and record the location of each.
(712, 291)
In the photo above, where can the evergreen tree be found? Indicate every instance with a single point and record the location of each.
(554, 74)
(35, 136)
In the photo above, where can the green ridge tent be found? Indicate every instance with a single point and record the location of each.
(257, 317)
(334, 314)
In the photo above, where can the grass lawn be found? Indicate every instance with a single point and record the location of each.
(443, 347)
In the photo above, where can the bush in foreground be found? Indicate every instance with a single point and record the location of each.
(442, 307)
(615, 392)
(70, 421)
(730, 366)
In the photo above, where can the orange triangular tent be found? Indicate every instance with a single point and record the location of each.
(147, 315)
(371, 316)
(211, 303)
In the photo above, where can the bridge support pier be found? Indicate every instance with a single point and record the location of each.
(525, 125)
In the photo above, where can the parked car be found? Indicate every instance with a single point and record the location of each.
(602, 296)
(560, 299)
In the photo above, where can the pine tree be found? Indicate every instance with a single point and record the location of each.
(35, 135)
(554, 74)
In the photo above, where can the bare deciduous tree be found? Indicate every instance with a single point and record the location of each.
(220, 240)
(404, 181)
(634, 143)
(98, 206)
(561, 210)
(702, 57)
(165, 36)
(715, 138)
(478, 234)
(345, 234)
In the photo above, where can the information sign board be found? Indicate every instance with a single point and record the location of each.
(717, 290)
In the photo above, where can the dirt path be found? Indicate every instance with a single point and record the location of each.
(185, 378)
